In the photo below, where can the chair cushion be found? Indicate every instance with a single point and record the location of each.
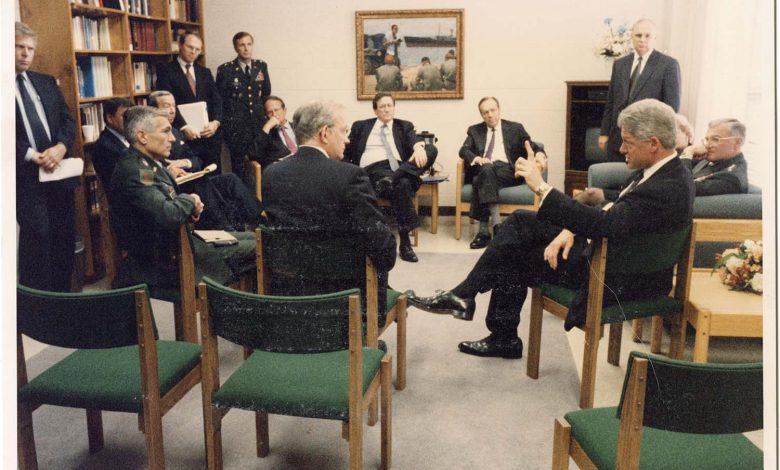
(596, 430)
(520, 194)
(309, 385)
(626, 310)
(109, 379)
(728, 206)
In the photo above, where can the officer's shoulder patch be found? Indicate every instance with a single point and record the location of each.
(147, 176)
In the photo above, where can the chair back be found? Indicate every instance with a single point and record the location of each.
(302, 324)
(89, 320)
(647, 253)
(700, 398)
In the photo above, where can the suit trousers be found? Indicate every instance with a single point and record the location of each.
(406, 182)
(46, 237)
(513, 262)
(488, 179)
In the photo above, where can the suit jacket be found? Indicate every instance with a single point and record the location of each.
(243, 99)
(171, 77)
(310, 192)
(515, 136)
(269, 148)
(62, 128)
(660, 79)
(105, 153)
(403, 136)
(661, 204)
(180, 149)
(721, 177)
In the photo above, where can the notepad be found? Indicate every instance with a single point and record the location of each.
(216, 237)
(196, 175)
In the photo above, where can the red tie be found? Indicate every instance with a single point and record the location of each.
(288, 140)
(190, 78)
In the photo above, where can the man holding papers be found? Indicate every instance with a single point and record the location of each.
(45, 131)
(147, 209)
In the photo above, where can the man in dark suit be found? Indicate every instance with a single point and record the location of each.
(312, 191)
(276, 139)
(243, 83)
(189, 82)
(394, 158)
(490, 162)
(45, 130)
(531, 248)
(147, 209)
(111, 144)
(718, 166)
(646, 73)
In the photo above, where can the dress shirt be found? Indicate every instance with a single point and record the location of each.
(120, 137)
(499, 151)
(183, 66)
(289, 130)
(644, 61)
(375, 149)
(41, 114)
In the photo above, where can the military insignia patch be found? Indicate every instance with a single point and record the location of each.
(147, 177)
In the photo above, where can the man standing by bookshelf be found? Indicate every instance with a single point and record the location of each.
(243, 83)
(45, 130)
(190, 82)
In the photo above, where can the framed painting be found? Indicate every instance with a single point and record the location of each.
(415, 54)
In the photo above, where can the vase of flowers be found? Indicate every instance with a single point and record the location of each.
(741, 268)
(615, 41)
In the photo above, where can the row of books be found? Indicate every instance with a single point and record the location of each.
(142, 36)
(144, 77)
(90, 33)
(94, 76)
(115, 4)
(139, 7)
(183, 10)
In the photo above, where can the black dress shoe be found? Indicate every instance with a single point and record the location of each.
(407, 253)
(480, 241)
(490, 347)
(383, 186)
(444, 302)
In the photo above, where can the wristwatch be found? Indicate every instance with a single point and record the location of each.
(542, 189)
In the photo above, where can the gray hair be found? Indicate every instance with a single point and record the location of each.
(141, 118)
(736, 128)
(649, 117)
(156, 94)
(311, 117)
(24, 30)
(685, 127)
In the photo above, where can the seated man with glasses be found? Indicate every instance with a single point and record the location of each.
(718, 165)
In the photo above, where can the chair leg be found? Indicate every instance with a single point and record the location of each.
(95, 430)
(589, 360)
(27, 457)
(345, 430)
(387, 414)
(656, 334)
(637, 326)
(679, 327)
(154, 437)
(212, 418)
(534, 334)
(356, 443)
(261, 429)
(373, 412)
(400, 350)
(561, 443)
(615, 338)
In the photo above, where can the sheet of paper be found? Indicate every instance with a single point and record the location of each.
(67, 168)
(195, 114)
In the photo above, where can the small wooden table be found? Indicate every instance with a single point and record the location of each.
(430, 187)
(714, 310)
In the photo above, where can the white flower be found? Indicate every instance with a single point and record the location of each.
(733, 263)
(757, 283)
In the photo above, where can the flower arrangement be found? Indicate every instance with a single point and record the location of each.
(615, 43)
(742, 268)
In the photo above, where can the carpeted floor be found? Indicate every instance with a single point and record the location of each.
(457, 412)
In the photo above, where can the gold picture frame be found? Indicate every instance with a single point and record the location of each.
(391, 47)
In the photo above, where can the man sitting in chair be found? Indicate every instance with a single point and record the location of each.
(394, 158)
(718, 165)
(552, 245)
(147, 209)
(490, 152)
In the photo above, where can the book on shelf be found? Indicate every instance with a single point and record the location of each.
(144, 77)
(94, 76)
(90, 33)
(92, 115)
(142, 36)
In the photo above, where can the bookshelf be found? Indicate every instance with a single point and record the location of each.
(585, 102)
(99, 50)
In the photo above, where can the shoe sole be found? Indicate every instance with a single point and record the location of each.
(471, 352)
(460, 315)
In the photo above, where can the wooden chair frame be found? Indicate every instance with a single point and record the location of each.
(154, 407)
(352, 430)
(593, 328)
(462, 208)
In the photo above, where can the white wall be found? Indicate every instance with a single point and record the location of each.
(520, 52)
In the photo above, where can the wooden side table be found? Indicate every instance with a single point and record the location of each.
(430, 187)
(714, 310)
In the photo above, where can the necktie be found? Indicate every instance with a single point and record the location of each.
(491, 145)
(288, 140)
(248, 71)
(190, 78)
(42, 141)
(634, 75)
(388, 150)
(633, 184)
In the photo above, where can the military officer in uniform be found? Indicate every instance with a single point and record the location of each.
(244, 84)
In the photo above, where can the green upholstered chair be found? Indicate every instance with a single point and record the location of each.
(509, 199)
(672, 415)
(295, 263)
(119, 364)
(647, 253)
(308, 360)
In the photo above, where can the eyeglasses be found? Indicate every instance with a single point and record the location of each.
(716, 139)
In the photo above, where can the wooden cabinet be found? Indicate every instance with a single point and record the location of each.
(119, 47)
(585, 103)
